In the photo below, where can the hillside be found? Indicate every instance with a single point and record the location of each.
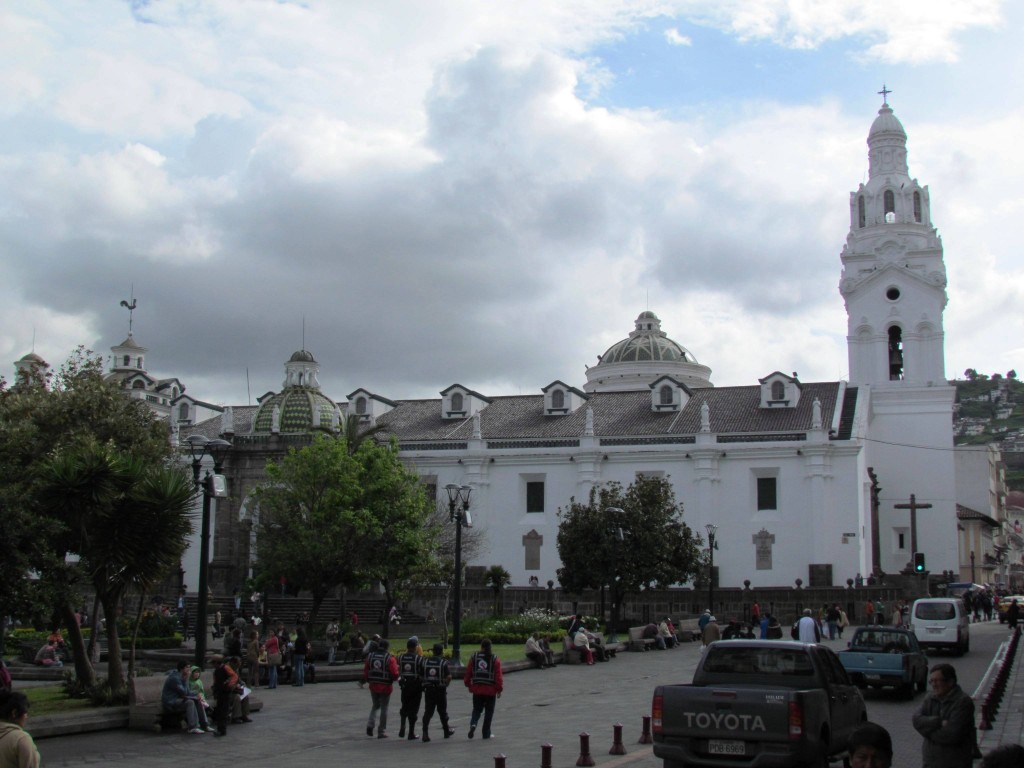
(991, 410)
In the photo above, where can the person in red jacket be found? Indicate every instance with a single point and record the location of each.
(380, 670)
(484, 679)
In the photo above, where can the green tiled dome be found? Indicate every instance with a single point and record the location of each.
(648, 343)
(297, 405)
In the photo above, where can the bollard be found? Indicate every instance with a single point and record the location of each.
(986, 721)
(645, 737)
(545, 756)
(499, 761)
(585, 758)
(617, 746)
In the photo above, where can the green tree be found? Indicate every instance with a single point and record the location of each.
(126, 519)
(401, 540)
(357, 431)
(312, 529)
(42, 414)
(496, 578)
(656, 548)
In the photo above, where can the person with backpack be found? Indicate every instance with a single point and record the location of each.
(410, 673)
(437, 676)
(380, 670)
(484, 679)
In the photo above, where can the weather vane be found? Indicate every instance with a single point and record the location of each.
(131, 308)
(884, 93)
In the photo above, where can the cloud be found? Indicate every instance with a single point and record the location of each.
(673, 37)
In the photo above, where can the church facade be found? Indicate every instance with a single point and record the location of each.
(802, 479)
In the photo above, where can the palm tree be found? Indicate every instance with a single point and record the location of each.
(126, 518)
(356, 431)
(496, 578)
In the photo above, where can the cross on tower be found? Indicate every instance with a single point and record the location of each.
(913, 506)
(884, 93)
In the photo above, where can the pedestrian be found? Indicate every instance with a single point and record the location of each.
(380, 670)
(16, 745)
(437, 676)
(711, 633)
(299, 657)
(755, 614)
(844, 622)
(484, 679)
(870, 747)
(869, 613)
(1013, 614)
(806, 629)
(1004, 756)
(410, 680)
(946, 721)
(225, 685)
(333, 635)
(252, 659)
(832, 618)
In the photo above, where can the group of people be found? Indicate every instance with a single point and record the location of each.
(185, 693)
(427, 679)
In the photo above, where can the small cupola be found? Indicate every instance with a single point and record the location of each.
(668, 394)
(368, 406)
(780, 391)
(457, 402)
(560, 399)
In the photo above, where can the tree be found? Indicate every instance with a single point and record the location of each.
(312, 529)
(496, 578)
(357, 431)
(42, 414)
(400, 541)
(1011, 374)
(126, 519)
(657, 547)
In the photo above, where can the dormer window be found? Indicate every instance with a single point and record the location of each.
(668, 394)
(457, 402)
(183, 412)
(138, 384)
(665, 395)
(361, 405)
(558, 399)
(778, 390)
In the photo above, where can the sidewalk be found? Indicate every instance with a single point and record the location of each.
(1008, 727)
(306, 726)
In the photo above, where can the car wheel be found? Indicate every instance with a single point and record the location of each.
(922, 684)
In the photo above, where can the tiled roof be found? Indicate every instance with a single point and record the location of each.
(966, 513)
(732, 410)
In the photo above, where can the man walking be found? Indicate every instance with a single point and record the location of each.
(484, 679)
(946, 721)
(806, 629)
(437, 675)
(410, 673)
(380, 670)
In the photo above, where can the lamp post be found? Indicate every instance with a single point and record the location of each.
(458, 513)
(711, 529)
(200, 446)
(973, 579)
(617, 538)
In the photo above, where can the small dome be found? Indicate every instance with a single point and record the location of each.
(32, 357)
(296, 408)
(886, 124)
(302, 356)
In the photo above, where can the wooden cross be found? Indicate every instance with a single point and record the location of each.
(884, 93)
(913, 506)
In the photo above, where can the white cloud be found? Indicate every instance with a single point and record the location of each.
(674, 37)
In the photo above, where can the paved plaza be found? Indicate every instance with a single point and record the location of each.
(325, 723)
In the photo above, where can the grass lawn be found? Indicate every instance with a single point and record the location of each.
(50, 700)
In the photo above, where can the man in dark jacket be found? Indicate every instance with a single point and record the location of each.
(410, 671)
(946, 720)
(437, 674)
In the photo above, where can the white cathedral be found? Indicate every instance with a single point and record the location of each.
(802, 479)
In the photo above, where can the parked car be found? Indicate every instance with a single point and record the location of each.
(886, 656)
(758, 703)
(941, 622)
(1004, 605)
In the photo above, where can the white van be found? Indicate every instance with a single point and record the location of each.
(941, 622)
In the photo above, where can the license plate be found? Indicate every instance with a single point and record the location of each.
(720, 747)
(934, 630)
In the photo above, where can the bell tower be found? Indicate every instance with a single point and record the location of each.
(894, 286)
(894, 278)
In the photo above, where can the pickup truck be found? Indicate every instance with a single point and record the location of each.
(880, 656)
(758, 704)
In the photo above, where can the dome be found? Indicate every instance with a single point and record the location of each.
(886, 124)
(296, 408)
(302, 356)
(647, 343)
(32, 357)
(645, 356)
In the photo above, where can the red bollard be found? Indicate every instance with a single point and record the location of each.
(985, 724)
(645, 737)
(617, 746)
(585, 758)
(545, 755)
(499, 761)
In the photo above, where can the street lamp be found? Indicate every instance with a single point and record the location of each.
(617, 538)
(974, 580)
(213, 486)
(711, 529)
(458, 513)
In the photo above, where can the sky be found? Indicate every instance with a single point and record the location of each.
(488, 193)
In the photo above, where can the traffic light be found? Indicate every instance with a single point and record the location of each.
(919, 562)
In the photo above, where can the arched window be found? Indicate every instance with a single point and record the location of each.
(457, 401)
(862, 217)
(183, 412)
(558, 399)
(889, 201)
(665, 394)
(895, 353)
(917, 207)
(127, 361)
(360, 405)
(138, 384)
(139, 362)
(778, 390)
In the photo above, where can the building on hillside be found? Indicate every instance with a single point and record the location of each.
(805, 480)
